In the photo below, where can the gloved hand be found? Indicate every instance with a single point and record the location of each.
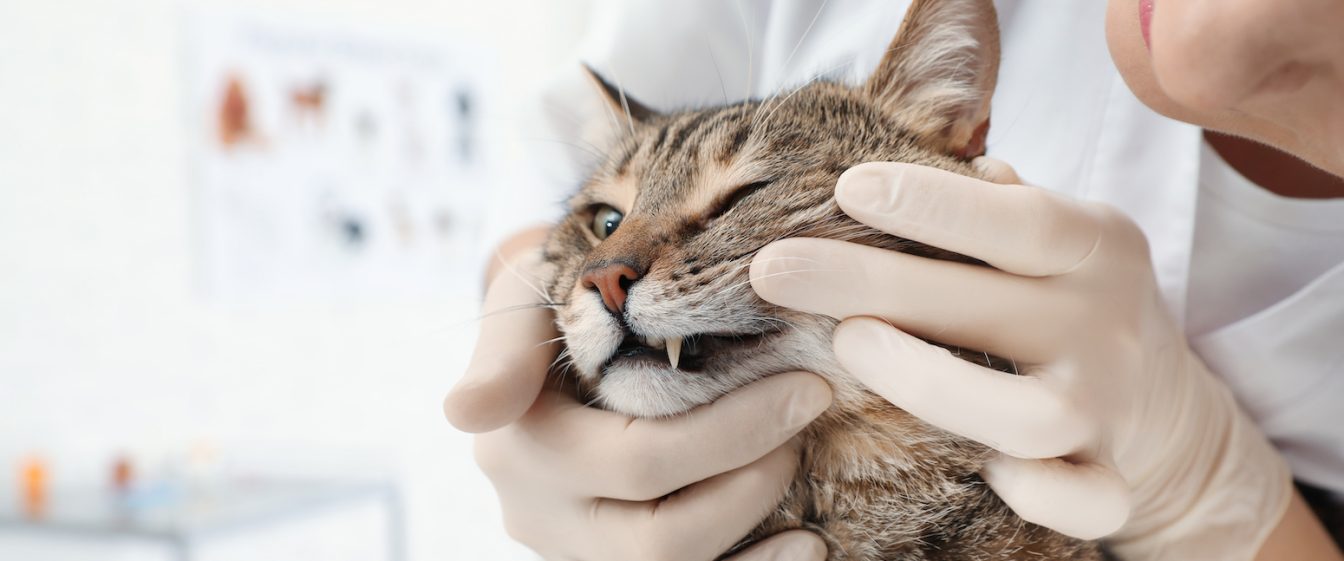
(1114, 427)
(576, 482)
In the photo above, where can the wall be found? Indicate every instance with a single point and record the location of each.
(107, 345)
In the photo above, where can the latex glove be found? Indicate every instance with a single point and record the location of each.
(1114, 427)
(576, 482)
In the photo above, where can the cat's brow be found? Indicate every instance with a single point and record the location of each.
(658, 142)
(624, 164)
(715, 184)
(735, 143)
(618, 191)
(691, 126)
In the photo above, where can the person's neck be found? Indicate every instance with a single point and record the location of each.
(1275, 170)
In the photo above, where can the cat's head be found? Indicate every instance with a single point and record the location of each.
(651, 264)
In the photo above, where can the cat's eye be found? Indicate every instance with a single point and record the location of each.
(737, 196)
(605, 221)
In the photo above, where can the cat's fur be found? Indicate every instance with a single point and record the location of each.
(875, 482)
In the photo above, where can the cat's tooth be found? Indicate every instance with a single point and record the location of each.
(674, 351)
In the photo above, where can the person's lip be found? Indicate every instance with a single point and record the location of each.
(1145, 20)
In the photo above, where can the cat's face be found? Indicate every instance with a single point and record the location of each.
(651, 264)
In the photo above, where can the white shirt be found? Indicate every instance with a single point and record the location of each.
(1062, 116)
(1254, 248)
(1266, 311)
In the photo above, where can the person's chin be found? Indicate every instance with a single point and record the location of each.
(1132, 59)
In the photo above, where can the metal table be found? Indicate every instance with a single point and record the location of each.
(185, 518)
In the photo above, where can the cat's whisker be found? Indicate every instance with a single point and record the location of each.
(746, 32)
(549, 341)
(554, 107)
(564, 355)
(784, 322)
(803, 37)
(625, 105)
(590, 149)
(776, 102)
(781, 273)
(715, 61)
(508, 267)
(789, 59)
(578, 123)
(560, 357)
(517, 308)
(612, 121)
(768, 106)
(747, 263)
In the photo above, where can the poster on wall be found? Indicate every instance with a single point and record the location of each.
(332, 162)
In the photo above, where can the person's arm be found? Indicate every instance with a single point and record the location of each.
(1299, 536)
(514, 247)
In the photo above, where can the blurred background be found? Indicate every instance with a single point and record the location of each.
(240, 245)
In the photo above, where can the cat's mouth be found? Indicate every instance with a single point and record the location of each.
(690, 353)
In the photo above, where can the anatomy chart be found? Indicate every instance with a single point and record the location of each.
(330, 163)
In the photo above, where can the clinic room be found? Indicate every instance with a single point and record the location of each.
(693, 280)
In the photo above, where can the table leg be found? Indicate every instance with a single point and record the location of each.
(396, 531)
(181, 548)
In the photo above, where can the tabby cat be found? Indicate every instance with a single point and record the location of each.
(658, 316)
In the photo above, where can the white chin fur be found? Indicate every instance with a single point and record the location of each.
(652, 391)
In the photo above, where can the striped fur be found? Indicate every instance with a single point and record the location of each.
(875, 482)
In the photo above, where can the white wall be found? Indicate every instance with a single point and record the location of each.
(107, 345)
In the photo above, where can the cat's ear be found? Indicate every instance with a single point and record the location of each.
(938, 74)
(618, 102)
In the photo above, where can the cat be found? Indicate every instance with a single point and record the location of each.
(649, 271)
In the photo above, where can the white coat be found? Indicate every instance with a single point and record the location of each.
(1062, 116)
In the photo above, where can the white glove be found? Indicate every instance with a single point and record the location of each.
(1114, 427)
(580, 483)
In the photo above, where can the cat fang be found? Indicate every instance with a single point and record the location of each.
(696, 349)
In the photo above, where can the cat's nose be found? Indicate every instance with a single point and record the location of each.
(612, 281)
